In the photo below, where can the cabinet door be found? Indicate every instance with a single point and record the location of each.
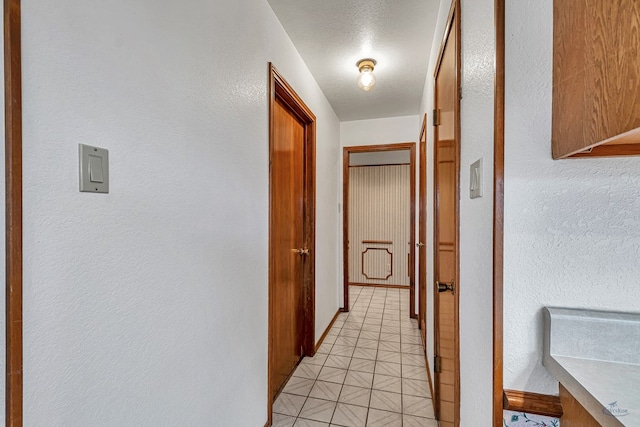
(596, 78)
(574, 414)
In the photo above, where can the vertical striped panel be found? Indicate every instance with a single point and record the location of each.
(379, 209)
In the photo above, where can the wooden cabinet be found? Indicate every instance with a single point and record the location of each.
(596, 78)
(574, 414)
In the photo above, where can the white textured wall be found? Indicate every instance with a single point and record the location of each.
(389, 130)
(476, 216)
(379, 209)
(148, 306)
(373, 132)
(572, 227)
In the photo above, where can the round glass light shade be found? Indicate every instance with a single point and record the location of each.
(366, 79)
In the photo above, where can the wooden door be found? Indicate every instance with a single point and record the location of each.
(287, 221)
(291, 233)
(446, 287)
(422, 234)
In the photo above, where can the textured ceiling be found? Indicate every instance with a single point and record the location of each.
(332, 35)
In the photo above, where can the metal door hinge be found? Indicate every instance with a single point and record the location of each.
(436, 117)
(437, 364)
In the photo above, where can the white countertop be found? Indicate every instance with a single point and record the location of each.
(598, 384)
(595, 355)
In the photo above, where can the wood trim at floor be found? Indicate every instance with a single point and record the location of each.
(326, 331)
(532, 403)
(376, 285)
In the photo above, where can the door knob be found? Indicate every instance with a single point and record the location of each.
(301, 251)
(444, 287)
(420, 244)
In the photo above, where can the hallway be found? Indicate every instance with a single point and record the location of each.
(369, 371)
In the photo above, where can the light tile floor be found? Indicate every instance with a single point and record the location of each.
(369, 371)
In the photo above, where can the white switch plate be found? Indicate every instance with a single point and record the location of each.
(94, 169)
(475, 186)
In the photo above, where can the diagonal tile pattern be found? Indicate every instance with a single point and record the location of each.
(369, 371)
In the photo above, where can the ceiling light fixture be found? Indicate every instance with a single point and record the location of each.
(366, 79)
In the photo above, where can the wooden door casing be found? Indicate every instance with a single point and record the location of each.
(13, 212)
(411, 146)
(292, 132)
(422, 233)
(446, 224)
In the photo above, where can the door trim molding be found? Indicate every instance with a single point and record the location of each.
(346, 152)
(498, 213)
(280, 89)
(453, 24)
(13, 206)
(422, 237)
(326, 331)
(422, 231)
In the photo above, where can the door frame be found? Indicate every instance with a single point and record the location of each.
(346, 152)
(13, 206)
(498, 213)
(281, 90)
(422, 237)
(422, 232)
(453, 24)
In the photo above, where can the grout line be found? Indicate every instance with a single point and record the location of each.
(373, 376)
(359, 301)
(351, 358)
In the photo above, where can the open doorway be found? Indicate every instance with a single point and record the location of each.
(379, 218)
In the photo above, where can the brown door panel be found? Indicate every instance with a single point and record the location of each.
(446, 219)
(288, 225)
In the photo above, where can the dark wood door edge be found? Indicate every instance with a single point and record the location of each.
(326, 331)
(13, 206)
(346, 151)
(280, 89)
(532, 403)
(498, 213)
